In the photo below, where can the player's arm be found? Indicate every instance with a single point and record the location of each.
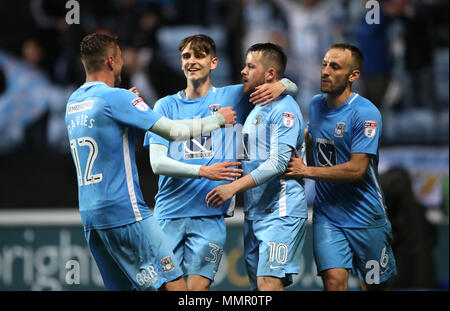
(366, 128)
(138, 114)
(186, 129)
(350, 171)
(163, 165)
(268, 92)
(272, 167)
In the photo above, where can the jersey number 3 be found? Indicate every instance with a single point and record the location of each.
(86, 178)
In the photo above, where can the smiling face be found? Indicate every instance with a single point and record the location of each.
(337, 71)
(196, 63)
(253, 74)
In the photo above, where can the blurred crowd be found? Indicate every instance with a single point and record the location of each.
(405, 74)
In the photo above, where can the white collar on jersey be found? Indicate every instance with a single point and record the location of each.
(92, 83)
(354, 96)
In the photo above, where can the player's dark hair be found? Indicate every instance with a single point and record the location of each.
(199, 42)
(94, 49)
(272, 54)
(358, 58)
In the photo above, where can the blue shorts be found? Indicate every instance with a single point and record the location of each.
(272, 247)
(197, 243)
(133, 256)
(366, 252)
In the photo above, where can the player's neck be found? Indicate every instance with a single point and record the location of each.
(197, 88)
(335, 101)
(101, 76)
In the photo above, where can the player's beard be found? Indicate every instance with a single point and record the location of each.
(250, 85)
(338, 89)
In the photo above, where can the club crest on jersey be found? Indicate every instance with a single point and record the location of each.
(139, 103)
(214, 108)
(257, 119)
(370, 128)
(339, 130)
(167, 264)
(288, 119)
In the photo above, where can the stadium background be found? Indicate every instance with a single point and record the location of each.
(406, 75)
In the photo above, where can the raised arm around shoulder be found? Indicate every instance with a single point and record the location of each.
(291, 87)
(187, 129)
(268, 92)
(163, 165)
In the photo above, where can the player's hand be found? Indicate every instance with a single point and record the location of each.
(266, 93)
(229, 114)
(219, 195)
(296, 167)
(221, 171)
(135, 91)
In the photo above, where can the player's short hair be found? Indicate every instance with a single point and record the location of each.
(199, 42)
(94, 49)
(273, 55)
(358, 58)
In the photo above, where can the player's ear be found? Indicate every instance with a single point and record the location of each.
(110, 62)
(354, 76)
(214, 63)
(270, 74)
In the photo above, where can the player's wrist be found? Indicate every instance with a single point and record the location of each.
(203, 171)
(307, 172)
(232, 188)
(219, 118)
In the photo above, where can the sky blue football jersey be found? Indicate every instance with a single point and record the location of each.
(185, 197)
(100, 122)
(281, 121)
(354, 127)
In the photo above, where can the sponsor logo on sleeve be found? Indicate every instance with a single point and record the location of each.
(370, 129)
(288, 119)
(139, 103)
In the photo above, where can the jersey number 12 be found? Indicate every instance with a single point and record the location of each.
(87, 178)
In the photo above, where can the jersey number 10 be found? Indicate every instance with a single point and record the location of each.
(87, 178)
